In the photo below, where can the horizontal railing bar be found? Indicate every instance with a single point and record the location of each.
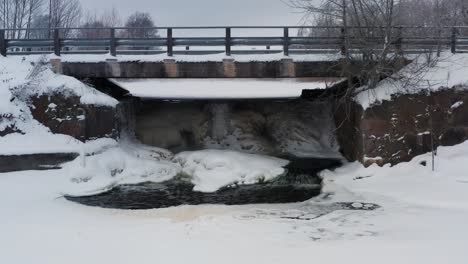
(84, 52)
(245, 37)
(161, 42)
(82, 42)
(181, 42)
(232, 27)
(208, 52)
(256, 43)
(416, 42)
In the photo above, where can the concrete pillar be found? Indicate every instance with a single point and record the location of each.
(170, 68)
(56, 64)
(287, 68)
(229, 68)
(114, 69)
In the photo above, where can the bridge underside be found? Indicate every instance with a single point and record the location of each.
(223, 89)
(224, 69)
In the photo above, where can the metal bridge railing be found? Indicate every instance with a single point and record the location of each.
(159, 40)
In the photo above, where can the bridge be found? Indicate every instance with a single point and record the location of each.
(287, 51)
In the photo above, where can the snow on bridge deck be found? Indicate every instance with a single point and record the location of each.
(213, 89)
(219, 57)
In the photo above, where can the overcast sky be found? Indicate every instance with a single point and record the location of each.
(204, 12)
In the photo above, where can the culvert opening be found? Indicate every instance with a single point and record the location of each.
(299, 130)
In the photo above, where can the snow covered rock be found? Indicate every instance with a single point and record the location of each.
(67, 115)
(212, 169)
(424, 75)
(47, 119)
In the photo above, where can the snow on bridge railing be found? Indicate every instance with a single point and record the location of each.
(213, 39)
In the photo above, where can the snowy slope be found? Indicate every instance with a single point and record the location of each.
(24, 77)
(423, 74)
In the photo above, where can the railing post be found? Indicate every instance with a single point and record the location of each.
(57, 47)
(170, 43)
(343, 42)
(399, 41)
(286, 41)
(3, 44)
(228, 41)
(454, 40)
(112, 43)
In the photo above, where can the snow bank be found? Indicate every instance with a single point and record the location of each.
(40, 140)
(31, 75)
(124, 164)
(13, 73)
(422, 74)
(213, 169)
(24, 77)
(65, 84)
(132, 163)
(411, 182)
(221, 88)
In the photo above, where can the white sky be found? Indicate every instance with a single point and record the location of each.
(205, 12)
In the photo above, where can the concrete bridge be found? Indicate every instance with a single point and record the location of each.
(284, 51)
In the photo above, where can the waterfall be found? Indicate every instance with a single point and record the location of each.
(127, 117)
(220, 120)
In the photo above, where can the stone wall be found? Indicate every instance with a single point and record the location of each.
(66, 115)
(407, 126)
(347, 118)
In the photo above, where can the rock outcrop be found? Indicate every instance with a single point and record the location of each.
(67, 115)
(407, 126)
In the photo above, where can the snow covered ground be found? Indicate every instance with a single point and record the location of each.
(425, 73)
(422, 219)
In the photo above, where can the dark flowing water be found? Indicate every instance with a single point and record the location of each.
(301, 183)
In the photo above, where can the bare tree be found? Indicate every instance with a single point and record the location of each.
(64, 14)
(140, 25)
(367, 30)
(17, 14)
(39, 26)
(111, 18)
